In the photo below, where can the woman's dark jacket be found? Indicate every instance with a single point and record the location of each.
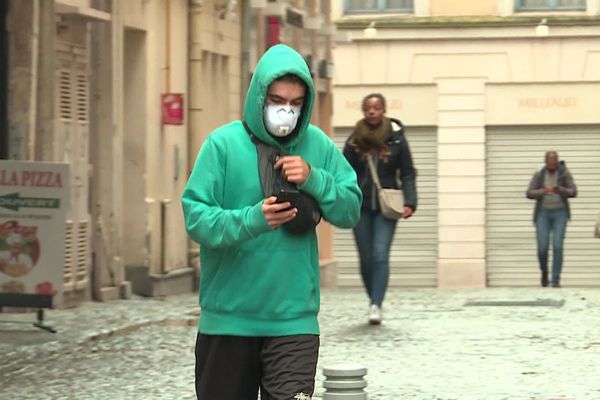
(399, 165)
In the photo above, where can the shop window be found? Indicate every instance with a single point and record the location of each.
(378, 6)
(543, 5)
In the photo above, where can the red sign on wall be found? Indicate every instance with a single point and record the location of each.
(273, 31)
(172, 108)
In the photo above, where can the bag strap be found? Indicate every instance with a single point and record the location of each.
(373, 171)
(270, 179)
(249, 131)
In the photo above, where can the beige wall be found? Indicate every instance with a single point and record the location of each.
(214, 66)
(414, 102)
(425, 8)
(593, 7)
(554, 103)
(443, 8)
(448, 8)
(139, 163)
(75, 3)
(134, 14)
(496, 60)
(165, 146)
(175, 139)
(478, 80)
(215, 79)
(134, 149)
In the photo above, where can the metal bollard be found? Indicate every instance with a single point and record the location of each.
(345, 382)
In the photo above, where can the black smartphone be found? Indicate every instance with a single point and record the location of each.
(290, 195)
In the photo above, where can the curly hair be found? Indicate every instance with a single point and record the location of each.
(378, 96)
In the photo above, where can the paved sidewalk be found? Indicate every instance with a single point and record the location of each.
(430, 346)
(433, 347)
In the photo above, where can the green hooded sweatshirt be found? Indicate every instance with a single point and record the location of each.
(258, 281)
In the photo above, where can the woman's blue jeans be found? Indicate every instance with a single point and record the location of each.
(373, 235)
(551, 221)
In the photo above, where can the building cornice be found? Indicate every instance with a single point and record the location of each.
(410, 22)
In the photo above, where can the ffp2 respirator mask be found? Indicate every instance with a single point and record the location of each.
(280, 120)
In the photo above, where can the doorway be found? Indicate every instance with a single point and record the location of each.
(134, 152)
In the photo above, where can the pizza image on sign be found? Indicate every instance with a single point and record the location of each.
(19, 249)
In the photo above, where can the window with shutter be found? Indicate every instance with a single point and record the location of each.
(378, 6)
(542, 5)
(72, 146)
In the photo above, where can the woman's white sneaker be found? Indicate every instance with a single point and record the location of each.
(375, 315)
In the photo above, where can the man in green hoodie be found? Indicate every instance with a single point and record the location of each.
(259, 289)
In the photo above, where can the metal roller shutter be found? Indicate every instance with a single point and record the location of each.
(413, 257)
(513, 155)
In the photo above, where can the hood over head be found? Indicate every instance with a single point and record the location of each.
(279, 60)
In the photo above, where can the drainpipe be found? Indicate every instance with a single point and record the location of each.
(164, 202)
(35, 50)
(168, 47)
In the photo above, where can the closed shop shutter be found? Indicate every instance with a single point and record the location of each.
(413, 257)
(513, 155)
(72, 146)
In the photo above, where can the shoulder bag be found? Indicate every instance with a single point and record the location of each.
(391, 201)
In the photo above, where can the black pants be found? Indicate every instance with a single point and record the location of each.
(235, 367)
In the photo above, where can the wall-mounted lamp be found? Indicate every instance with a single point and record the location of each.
(325, 69)
(542, 28)
(310, 62)
(370, 31)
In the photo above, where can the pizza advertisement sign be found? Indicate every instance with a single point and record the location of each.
(34, 200)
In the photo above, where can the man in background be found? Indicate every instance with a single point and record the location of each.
(551, 187)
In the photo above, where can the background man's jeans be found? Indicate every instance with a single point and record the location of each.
(551, 221)
(373, 235)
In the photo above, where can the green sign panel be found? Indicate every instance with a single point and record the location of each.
(14, 202)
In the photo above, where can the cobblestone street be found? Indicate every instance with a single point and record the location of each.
(508, 344)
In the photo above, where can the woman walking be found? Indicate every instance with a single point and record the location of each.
(383, 139)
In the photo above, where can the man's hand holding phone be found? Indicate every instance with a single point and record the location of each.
(276, 213)
(288, 195)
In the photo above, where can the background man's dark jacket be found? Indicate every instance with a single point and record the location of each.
(566, 188)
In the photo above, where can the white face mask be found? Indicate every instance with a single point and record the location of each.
(280, 120)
